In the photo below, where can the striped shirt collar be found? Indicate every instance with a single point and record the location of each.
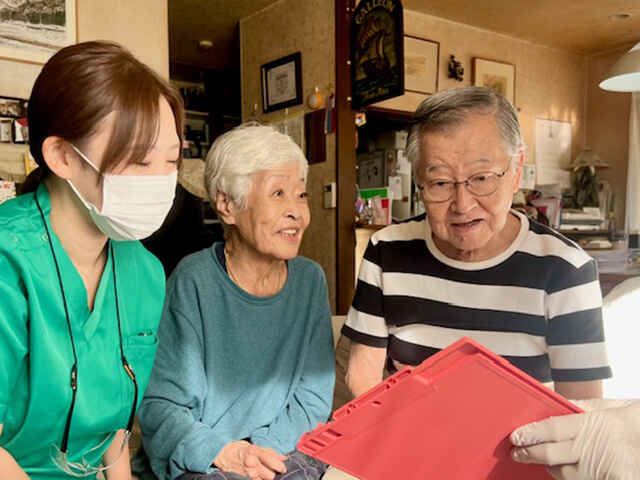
(484, 264)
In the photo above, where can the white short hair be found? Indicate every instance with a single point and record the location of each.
(451, 108)
(241, 153)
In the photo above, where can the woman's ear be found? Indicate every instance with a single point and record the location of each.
(225, 208)
(57, 156)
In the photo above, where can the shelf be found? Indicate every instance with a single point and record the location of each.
(197, 113)
(367, 226)
(590, 233)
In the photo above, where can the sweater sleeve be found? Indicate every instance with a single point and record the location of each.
(175, 439)
(311, 400)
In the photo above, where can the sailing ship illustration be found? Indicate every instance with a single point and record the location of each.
(373, 59)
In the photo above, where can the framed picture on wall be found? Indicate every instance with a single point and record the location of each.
(33, 31)
(377, 52)
(420, 65)
(282, 83)
(498, 76)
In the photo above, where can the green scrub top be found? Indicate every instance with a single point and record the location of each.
(35, 350)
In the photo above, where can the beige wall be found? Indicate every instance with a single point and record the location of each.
(281, 29)
(608, 127)
(550, 83)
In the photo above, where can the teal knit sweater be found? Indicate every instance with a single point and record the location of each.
(232, 366)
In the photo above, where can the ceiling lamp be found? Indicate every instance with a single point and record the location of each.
(624, 76)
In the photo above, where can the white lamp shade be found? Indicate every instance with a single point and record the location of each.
(588, 158)
(625, 73)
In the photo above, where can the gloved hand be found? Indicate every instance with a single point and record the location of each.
(602, 444)
(249, 460)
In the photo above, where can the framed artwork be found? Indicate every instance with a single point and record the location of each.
(377, 52)
(498, 76)
(33, 31)
(282, 83)
(421, 65)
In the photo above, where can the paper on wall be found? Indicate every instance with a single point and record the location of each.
(294, 127)
(528, 177)
(553, 152)
(550, 176)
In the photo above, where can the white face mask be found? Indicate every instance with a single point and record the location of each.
(133, 206)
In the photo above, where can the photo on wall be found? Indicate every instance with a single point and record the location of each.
(282, 83)
(33, 31)
(498, 76)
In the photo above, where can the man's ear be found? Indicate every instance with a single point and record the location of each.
(518, 172)
(57, 156)
(225, 208)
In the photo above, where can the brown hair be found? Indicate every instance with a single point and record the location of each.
(80, 85)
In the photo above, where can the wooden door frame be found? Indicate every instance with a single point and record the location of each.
(345, 161)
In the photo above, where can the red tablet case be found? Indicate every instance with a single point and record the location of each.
(448, 418)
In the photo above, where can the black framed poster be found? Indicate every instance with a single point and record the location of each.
(282, 83)
(377, 52)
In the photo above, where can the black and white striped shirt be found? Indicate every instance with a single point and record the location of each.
(538, 304)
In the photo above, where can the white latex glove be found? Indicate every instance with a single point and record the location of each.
(602, 444)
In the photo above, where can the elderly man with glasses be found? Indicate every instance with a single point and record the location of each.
(472, 266)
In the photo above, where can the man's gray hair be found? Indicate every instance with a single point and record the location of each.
(241, 153)
(451, 108)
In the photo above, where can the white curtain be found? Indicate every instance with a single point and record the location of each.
(622, 329)
(632, 222)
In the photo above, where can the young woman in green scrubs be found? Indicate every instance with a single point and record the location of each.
(80, 297)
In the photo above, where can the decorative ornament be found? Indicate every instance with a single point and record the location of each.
(456, 70)
(316, 99)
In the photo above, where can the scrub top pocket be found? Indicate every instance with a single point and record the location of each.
(140, 350)
(142, 339)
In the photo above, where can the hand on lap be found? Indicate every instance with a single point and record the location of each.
(249, 460)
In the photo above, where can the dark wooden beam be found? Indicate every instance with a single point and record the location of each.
(345, 161)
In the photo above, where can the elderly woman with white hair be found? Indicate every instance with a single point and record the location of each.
(245, 364)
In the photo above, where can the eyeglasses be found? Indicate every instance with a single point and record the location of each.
(480, 184)
(59, 456)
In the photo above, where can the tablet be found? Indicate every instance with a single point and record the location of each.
(448, 418)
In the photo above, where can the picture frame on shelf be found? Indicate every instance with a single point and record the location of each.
(282, 83)
(13, 120)
(6, 126)
(372, 170)
(498, 76)
(13, 107)
(32, 32)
